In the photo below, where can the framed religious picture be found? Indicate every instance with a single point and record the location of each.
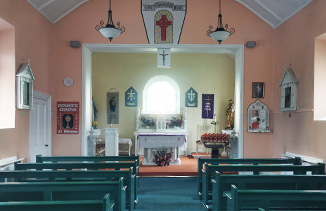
(258, 89)
(67, 117)
(258, 117)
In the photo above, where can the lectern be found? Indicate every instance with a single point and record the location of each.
(111, 141)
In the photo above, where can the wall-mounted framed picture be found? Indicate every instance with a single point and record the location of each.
(25, 80)
(258, 117)
(258, 89)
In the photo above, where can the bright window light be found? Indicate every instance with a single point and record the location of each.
(161, 96)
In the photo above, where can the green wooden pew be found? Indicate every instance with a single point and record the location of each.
(81, 166)
(252, 161)
(81, 205)
(60, 159)
(64, 191)
(69, 159)
(222, 185)
(60, 176)
(254, 169)
(276, 199)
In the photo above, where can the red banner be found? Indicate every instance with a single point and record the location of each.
(67, 117)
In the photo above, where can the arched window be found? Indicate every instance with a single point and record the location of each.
(161, 95)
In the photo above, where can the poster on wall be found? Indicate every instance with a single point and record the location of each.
(191, 98)
(67, 117)
(113, 107)
(164, 20)
(207, 106)
(131, 97)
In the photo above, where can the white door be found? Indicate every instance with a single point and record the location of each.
(40, 126)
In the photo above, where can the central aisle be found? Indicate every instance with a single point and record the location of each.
(168, 193)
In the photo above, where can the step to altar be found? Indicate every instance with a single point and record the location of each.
(200, 155)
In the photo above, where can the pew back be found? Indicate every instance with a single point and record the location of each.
(280, 199)
(62, 191)
(222, 184)
(81, 205)
(60, 176)
(251, 161)
(295, 169)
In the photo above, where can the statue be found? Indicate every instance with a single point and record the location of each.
(230, 116)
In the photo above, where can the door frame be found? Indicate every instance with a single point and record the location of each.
(48, 99)
(236, 50)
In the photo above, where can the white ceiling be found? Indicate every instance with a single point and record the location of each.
(274, 12)
(54, 10)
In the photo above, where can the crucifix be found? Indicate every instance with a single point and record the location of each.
(164, 57)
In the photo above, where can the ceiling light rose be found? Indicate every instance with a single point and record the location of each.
(110, 31)
(220, 33)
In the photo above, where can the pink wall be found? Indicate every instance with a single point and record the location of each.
(52, 59)
(294, 43)
(33, 39)
(79, 25)
(7, 77)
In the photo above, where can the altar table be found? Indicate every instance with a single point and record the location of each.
(152, 142)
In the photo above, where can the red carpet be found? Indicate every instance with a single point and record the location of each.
(188, 167)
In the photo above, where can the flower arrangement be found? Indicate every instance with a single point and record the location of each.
(162, 157)
(150, 121)
(175, 122)
(95, 124)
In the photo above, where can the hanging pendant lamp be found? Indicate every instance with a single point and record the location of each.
(110, 31)
(220, 33)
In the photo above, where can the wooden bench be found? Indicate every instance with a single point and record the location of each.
(276, 199)
(254, 169)
(81, 166)
(252, 161)
(60, 176)
(58, 159)
(222, 185)
(64, 191)
(81, 205)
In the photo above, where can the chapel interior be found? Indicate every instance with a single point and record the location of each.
(76, 82)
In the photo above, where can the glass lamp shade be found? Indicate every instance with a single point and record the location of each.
(110, 33)
(219, 35)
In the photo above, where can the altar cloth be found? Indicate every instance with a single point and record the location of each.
(161, 140)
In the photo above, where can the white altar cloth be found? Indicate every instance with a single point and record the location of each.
(150, 142)
(161, 140)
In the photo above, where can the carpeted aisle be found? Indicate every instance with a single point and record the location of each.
(168, 193)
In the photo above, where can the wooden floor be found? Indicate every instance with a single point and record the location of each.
(188, 167)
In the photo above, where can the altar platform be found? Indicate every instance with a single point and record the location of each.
(188, 167)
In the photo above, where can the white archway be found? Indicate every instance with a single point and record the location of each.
(88, 49)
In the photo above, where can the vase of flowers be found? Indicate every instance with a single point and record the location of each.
(148, 121)
(175, 122)
(95, 124)
(162, 157)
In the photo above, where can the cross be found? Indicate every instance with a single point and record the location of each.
(191, 96)
(163, 23)
(208, 102)
(164, 55)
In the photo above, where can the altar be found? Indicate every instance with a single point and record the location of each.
(150, 142)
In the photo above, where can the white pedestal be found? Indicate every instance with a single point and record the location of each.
(111, 141)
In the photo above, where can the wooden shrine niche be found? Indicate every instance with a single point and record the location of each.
(289, 85)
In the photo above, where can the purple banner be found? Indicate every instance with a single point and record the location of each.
(207, 106)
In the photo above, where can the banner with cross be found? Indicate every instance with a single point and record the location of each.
(207, 106)
(164, 20)
(131, 97)
(191, 98)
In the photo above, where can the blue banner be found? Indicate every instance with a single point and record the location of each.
(191, 98)
(207, 106)
(131, 97)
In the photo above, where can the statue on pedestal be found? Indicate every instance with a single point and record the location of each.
(230, 115)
